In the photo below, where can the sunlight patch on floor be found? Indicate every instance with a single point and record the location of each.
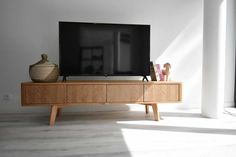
(168, 142)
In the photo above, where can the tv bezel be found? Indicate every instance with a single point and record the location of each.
(106, 75)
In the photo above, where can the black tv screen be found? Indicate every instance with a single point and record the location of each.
(98, 49)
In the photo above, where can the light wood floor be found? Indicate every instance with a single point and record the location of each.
(118, 134)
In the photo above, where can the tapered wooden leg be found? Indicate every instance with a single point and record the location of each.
(155, 112)
(147, 109)
(53, 115)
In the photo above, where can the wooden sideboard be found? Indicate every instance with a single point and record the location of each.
(63, 94)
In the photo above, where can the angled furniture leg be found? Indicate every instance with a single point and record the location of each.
(147, 108)
(53, 115)
(155, 112)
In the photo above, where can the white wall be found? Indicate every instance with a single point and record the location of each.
(230, 52)
(30, 27)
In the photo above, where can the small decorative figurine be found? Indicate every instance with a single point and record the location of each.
(166, 71)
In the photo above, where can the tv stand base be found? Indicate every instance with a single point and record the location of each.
(145, 78)
(56, 111)
(64, 79)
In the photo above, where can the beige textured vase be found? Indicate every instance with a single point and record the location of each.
(44, 71)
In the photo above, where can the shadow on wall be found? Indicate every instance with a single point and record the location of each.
(185, 55)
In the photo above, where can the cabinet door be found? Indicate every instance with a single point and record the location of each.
(124, 93)
(86, 93)
(162, 92)
(43, 94)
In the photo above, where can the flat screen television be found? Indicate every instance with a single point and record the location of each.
(102, 49)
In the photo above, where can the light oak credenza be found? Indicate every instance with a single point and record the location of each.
(64, 94)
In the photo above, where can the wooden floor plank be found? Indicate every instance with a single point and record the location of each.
(118, 134)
